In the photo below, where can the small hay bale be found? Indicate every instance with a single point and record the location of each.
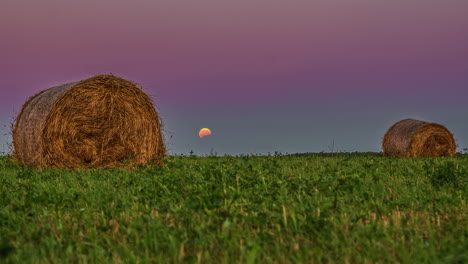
(415, 138)
(102, 121)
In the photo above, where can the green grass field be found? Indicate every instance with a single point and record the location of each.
(342, 208)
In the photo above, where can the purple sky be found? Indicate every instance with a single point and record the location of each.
(263, 75)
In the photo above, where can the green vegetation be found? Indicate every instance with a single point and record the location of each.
(343, 208)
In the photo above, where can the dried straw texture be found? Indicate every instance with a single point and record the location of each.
(415, 138)
(102, 121)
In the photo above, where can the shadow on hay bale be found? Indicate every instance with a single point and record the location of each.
(415, 138)
(102, 121)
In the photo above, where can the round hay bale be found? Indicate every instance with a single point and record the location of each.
(102, 121)
(415, 138)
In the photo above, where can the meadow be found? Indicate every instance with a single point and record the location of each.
(316, 208)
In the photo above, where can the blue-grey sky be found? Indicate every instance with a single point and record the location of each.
(263, 75)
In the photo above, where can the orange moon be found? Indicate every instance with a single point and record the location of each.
(204, 132)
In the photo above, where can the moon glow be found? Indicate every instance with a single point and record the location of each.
(204, 132)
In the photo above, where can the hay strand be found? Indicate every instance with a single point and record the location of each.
(415, 138)
(102, 121)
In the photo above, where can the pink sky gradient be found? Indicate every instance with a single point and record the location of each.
(239, 56)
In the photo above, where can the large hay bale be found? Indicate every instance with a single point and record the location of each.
(415, 138)
(102, 121)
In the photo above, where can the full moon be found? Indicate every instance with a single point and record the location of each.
(204, 132)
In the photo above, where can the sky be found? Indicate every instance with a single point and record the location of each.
(264, 75)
